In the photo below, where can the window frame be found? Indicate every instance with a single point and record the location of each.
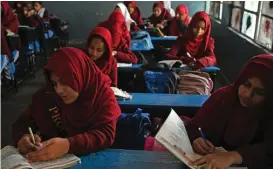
(259, 15)
(220, 11)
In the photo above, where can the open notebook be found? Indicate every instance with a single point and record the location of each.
(120, 94)
(173, 63)
(173, 135)
(12, 159)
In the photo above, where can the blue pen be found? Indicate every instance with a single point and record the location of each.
(203, 136)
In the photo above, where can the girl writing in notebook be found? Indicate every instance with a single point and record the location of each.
(238, 117)
(134, 11)
(121, 40)
(99, 49)
(178, 25)
(76, 112)
(196, 47)
(159, 17)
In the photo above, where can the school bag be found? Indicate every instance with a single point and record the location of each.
(195, 82)
(141, 40)
(132, 130)
(156, 78)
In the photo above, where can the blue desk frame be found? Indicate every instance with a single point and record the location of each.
(133, 159)
(158, 101)
(166, 42)
(166, 38)
(135, 67)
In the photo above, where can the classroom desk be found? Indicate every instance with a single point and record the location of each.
(135, 67)
(165, 38)
(132, 159)
(154, 100)
(166, 41)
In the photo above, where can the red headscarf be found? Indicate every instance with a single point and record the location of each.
(183, 9)
(80, 73)
(174, 29)
(106, 61)
(165, 14)
(136, 15)
(9, 19)
(264, 65)
(117, 26)
(194, 44)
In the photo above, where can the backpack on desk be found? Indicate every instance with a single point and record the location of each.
(132, 130)
(156, 78)
(195, 82)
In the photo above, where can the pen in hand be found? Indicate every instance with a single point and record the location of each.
(31, 134)
(203, 136)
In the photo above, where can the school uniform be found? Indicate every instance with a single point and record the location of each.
(188, 47)
(89, 123)
(121, 39)
(107, 63)
(246, 130)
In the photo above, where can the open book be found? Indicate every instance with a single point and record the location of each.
(173, 63)
(120, 94)
(173, 135)
(12, 159)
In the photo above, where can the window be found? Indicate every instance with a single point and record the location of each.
(254, 19)
(265, 34)
(215, 9)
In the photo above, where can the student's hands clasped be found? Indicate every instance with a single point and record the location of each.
(25, 144)
(52, 149)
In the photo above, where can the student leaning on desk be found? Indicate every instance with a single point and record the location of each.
(238, 117)
(75, 113)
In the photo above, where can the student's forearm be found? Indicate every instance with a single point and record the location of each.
(93, 140)
(126, 57)
(207, 61)
(237, 158)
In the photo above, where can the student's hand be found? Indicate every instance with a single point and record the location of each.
(25, 144)
(218, 160)
(200, 147)
(52, 149)
(150, 25)
(30, 13)
(160, 26)
(114, 53)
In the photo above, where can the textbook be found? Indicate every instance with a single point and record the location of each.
(174, 137)
(120, 94)
(12, 159)
(173, 63)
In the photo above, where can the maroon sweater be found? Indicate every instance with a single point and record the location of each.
(89, 123)
(227, 124)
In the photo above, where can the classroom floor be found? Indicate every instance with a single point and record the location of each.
(13, 105)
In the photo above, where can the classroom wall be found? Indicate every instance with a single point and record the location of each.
(232, 51)
(85, 15)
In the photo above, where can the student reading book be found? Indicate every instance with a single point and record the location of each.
(12, 159)
(173, 135)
